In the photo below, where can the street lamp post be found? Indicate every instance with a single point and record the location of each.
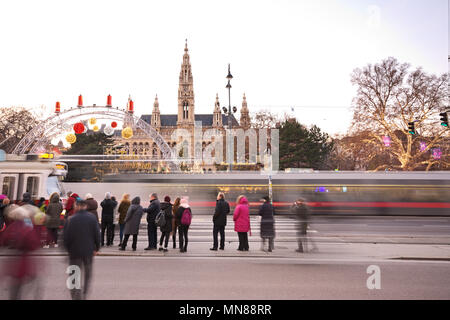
(229, 111)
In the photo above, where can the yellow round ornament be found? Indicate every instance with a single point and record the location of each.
(71, 138)
(127, 133)
(92, 121)
(95, 128)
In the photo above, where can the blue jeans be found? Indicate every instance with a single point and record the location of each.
(121, 227)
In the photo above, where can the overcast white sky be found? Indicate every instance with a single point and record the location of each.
(282, 53)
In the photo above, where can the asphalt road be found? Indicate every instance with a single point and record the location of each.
(245, 278)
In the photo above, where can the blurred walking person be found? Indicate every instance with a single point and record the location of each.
(21, 267)
(92, 205)
(301, 211)
(82, 242)
(266, 211)
(166, 229)
(152, 211)
(241, 219)
(184, 218)
(4, 203)
(115, 219)
(132, 222)
(175, 207)
(52, 221)
(108, 206)
(220, 221)
(123, 209)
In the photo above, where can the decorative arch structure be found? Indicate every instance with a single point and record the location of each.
(46, 130)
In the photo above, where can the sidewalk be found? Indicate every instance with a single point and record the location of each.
(326, 251)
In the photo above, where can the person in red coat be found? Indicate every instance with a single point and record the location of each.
(70, 204)
(241, 219)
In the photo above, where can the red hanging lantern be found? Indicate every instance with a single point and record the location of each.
(113, 124)
(78, 128)
(109, 101)
(58, 107)
(131, 106)
(80, 100)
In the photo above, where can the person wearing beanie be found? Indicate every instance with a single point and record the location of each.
(166, 229)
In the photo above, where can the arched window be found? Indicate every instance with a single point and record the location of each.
(185, 110)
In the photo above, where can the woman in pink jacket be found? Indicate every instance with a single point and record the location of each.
(241, 219)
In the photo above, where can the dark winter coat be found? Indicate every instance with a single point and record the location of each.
(53, 212)
(152, 211)
(302, 214)
(220, 214)
(133, 217)
(266, 212)
(108, 206)
(81, 235)
(123, 210)
(167, 208)
(92, 206)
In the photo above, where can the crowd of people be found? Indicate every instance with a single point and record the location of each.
(27, 226)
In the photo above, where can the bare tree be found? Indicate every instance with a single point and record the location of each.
(265, 119)
(388, 98)
(15, 122)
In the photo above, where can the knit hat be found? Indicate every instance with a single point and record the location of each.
(166, 199)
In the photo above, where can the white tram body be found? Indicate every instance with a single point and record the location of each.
(29, 173)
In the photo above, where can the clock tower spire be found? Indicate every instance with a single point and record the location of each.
(186, 91)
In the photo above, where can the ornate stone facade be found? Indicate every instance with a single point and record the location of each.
(186, 119)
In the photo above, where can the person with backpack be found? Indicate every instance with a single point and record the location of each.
(152, 210)
(132, 222)
(220, 221)
(241, 219)
(165, 223)
(175, 207)
(266, 212)
(184, 218)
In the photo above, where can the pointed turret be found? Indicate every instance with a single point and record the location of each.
(186, 91)
(245, 117)
(156, 116)
(217, 116)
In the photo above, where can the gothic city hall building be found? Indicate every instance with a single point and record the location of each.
(190, 134)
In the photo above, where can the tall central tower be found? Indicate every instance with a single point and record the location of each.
(186, 92)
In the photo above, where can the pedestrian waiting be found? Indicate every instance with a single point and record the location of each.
(132, 222)
(166, 224)
(241, 219)
(220, 221)
(184, 218)
(123, 209)
(108, 206)
(266, 212)
(152, 210)
(175, 225)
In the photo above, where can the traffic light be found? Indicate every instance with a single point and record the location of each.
(444, 119)
(411, 129)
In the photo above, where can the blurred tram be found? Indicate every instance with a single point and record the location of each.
(36, 174)
(331, 193)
